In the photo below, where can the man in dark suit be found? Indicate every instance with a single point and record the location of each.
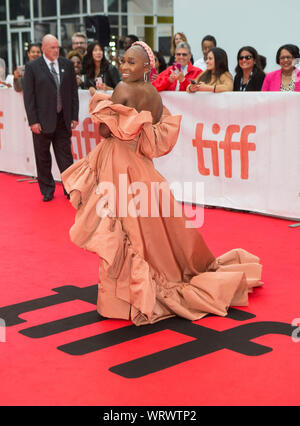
(51, 103)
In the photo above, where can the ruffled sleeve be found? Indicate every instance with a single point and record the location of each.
(125, 123)
(159, 139)
(79, 180)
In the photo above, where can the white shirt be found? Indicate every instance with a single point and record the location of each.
(56, 67)
(201, 64)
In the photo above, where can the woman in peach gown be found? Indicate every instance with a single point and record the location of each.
(152, 266)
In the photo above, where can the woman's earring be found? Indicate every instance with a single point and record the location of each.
(146, 79)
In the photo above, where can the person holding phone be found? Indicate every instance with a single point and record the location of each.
(177, 76)
(100, 73)
(216, 77)
(34, 51)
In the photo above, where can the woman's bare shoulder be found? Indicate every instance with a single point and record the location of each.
(121, 93)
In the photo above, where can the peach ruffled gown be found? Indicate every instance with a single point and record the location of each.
(151, 268)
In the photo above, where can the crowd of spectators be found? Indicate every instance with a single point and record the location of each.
(179, 72)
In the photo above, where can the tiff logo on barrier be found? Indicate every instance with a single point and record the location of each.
(89, 133)
(205, 340)
(227, 145)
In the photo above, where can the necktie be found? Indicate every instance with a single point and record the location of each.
(59, 101)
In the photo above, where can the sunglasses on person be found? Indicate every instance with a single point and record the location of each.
(181, 54)
(247, 57)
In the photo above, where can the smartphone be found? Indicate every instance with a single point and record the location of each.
(176, 68)
(99, 81)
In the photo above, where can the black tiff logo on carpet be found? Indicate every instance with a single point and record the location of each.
(205, 340)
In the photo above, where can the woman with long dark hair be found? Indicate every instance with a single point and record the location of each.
(216, 77)
(249, 74)
(100, 73)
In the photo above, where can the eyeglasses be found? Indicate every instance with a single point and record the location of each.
(247, 57)
(282, 58)
(181, 54)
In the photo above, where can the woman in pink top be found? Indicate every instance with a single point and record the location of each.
(287, 79)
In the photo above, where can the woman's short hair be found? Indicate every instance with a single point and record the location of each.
(292, 48)
(256, 57)
(183, 45)
(209, 38)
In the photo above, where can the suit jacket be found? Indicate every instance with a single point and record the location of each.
(272, 82)
(162, 81)
(40, 94)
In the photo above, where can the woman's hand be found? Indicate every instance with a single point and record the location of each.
(79, 80)
(172, 77)
(203, 87)
(17, 74)
(104, 130)
(92, 90)
(180, 76)
(153, 76)
(102, 86)
(192, 88)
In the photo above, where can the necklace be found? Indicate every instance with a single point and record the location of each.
(242, 86)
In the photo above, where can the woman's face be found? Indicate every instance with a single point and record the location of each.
(182, 56)
(77, 64)
(133, 65)
(210, 62)
(33, 53)
(177, 39)
(286, 60)
(246, 60)
(97, 54)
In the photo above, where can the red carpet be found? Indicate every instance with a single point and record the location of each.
(58, 351)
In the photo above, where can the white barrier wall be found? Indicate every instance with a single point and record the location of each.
(243, 147)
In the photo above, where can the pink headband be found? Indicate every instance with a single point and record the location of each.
(148, 51)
